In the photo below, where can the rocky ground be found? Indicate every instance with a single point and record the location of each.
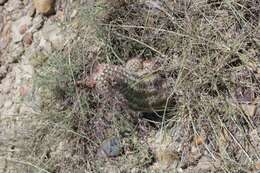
(24, 34)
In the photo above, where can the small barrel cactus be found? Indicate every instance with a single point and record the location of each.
(139, 82)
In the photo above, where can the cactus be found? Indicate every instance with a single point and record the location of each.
(139, 82)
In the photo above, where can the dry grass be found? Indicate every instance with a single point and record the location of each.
(209, 48)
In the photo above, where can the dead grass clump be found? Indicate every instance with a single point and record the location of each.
(211, 46)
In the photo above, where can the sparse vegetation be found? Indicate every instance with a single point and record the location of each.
(209, 48)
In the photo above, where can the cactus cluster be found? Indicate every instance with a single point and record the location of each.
(139, 82)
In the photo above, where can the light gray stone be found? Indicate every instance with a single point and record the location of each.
(14, 6)
(52, 33)
(16, 52)
(37, 23)
(45, 46)
(8, 104)
(110, 148)
(3, 44)
(16, 35)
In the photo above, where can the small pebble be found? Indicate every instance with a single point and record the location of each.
(3, 44)
(37, 23)
(23, 28)
(110, 148)
(28, 38)
(44, 6)
(8, 104)
(74, 13)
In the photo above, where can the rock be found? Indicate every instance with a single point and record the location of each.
(28, 38)
(18, 26)
(73, 14)
(2, 2)
(249, 109)
(6, 29)
(23, 29)
(8, 104)
(45, 7)
(6, 36)
(52, 33)
(23, 90)
(37, 23)
(16, 52)
(14, 7)
(16, 14)
(45, 46)
(3, 44)
(110, 148)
